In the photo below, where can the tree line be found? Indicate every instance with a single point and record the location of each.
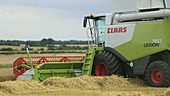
(43, 42)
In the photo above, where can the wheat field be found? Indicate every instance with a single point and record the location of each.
(80, 86)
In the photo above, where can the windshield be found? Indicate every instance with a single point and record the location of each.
(168, 3)
(96, 30)
(100, 23)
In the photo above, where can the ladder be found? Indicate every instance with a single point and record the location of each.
(88, 62)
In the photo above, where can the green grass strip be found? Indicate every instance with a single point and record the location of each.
(5, 66)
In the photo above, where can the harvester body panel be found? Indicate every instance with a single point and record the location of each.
(138, 40)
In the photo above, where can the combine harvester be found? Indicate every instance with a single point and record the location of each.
(133, 40)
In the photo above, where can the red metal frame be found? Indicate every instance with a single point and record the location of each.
(17, 72)
(42, 59)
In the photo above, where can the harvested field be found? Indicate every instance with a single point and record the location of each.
(81, 86)
(6, 74)
(87, 82)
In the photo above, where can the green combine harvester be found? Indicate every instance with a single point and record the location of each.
(133, 40)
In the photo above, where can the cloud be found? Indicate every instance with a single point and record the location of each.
(78, 6)
(23, 22)
(34, 20)
(17, 13)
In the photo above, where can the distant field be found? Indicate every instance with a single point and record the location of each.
(20, 47)
(38, 47)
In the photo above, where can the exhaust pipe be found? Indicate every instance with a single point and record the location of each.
(142, 15)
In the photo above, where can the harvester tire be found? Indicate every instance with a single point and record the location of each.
(106, 64)
(158, 74)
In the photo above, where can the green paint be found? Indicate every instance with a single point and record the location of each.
(56, 69)
(66, 69)
(29, 57)
(88, 62)
(24, 65)
(142, 43)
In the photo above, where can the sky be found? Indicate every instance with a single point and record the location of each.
(38, 19)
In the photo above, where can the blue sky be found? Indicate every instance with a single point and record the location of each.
(37, 19)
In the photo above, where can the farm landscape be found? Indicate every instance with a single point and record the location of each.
(79, 86)
(125, 48)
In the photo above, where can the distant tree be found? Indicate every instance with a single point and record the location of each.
(43, 42)
(23, 49)
(48, 41)
(50, 48)
(41, 49)
(6, 49)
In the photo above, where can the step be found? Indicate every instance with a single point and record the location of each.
(89, 53)
(86, 69)
(86, 63)
(87, 58)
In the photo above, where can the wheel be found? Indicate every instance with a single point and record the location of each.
(158, 74)
(106, 64)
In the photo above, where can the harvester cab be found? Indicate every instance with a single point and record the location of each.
(95, 29)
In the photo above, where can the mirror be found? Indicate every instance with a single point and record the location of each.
(85, 22)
